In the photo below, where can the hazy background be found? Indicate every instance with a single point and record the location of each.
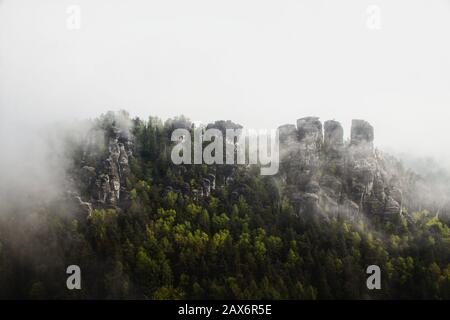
(260, 63)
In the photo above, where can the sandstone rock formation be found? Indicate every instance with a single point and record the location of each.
(105, 182)
(321, 173)
(324, 174)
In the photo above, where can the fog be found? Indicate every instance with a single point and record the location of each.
(258, 63)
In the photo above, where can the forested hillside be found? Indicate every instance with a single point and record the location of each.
(141, 227)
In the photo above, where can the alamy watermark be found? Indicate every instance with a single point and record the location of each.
(263, 148)
(73, 21)
(373, 19)
(374, 280)
(74, 280)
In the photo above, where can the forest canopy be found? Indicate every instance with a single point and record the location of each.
(166, 238)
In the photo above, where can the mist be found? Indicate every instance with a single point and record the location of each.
(35, 161)
(252, 62)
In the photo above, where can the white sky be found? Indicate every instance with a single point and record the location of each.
(260, 63)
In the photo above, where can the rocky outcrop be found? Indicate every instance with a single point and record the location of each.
(321, 173)
(111, 182)
(333, 145)
(74, 204)
(362, 132)
(310, 139)
(85, 207)
(333, 136)
(361, 138)
(287, 134)
(324, 174)
(105, 176)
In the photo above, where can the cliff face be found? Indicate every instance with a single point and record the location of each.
(321, 173)
(324, 174)
(105, 168)
(110, 182)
